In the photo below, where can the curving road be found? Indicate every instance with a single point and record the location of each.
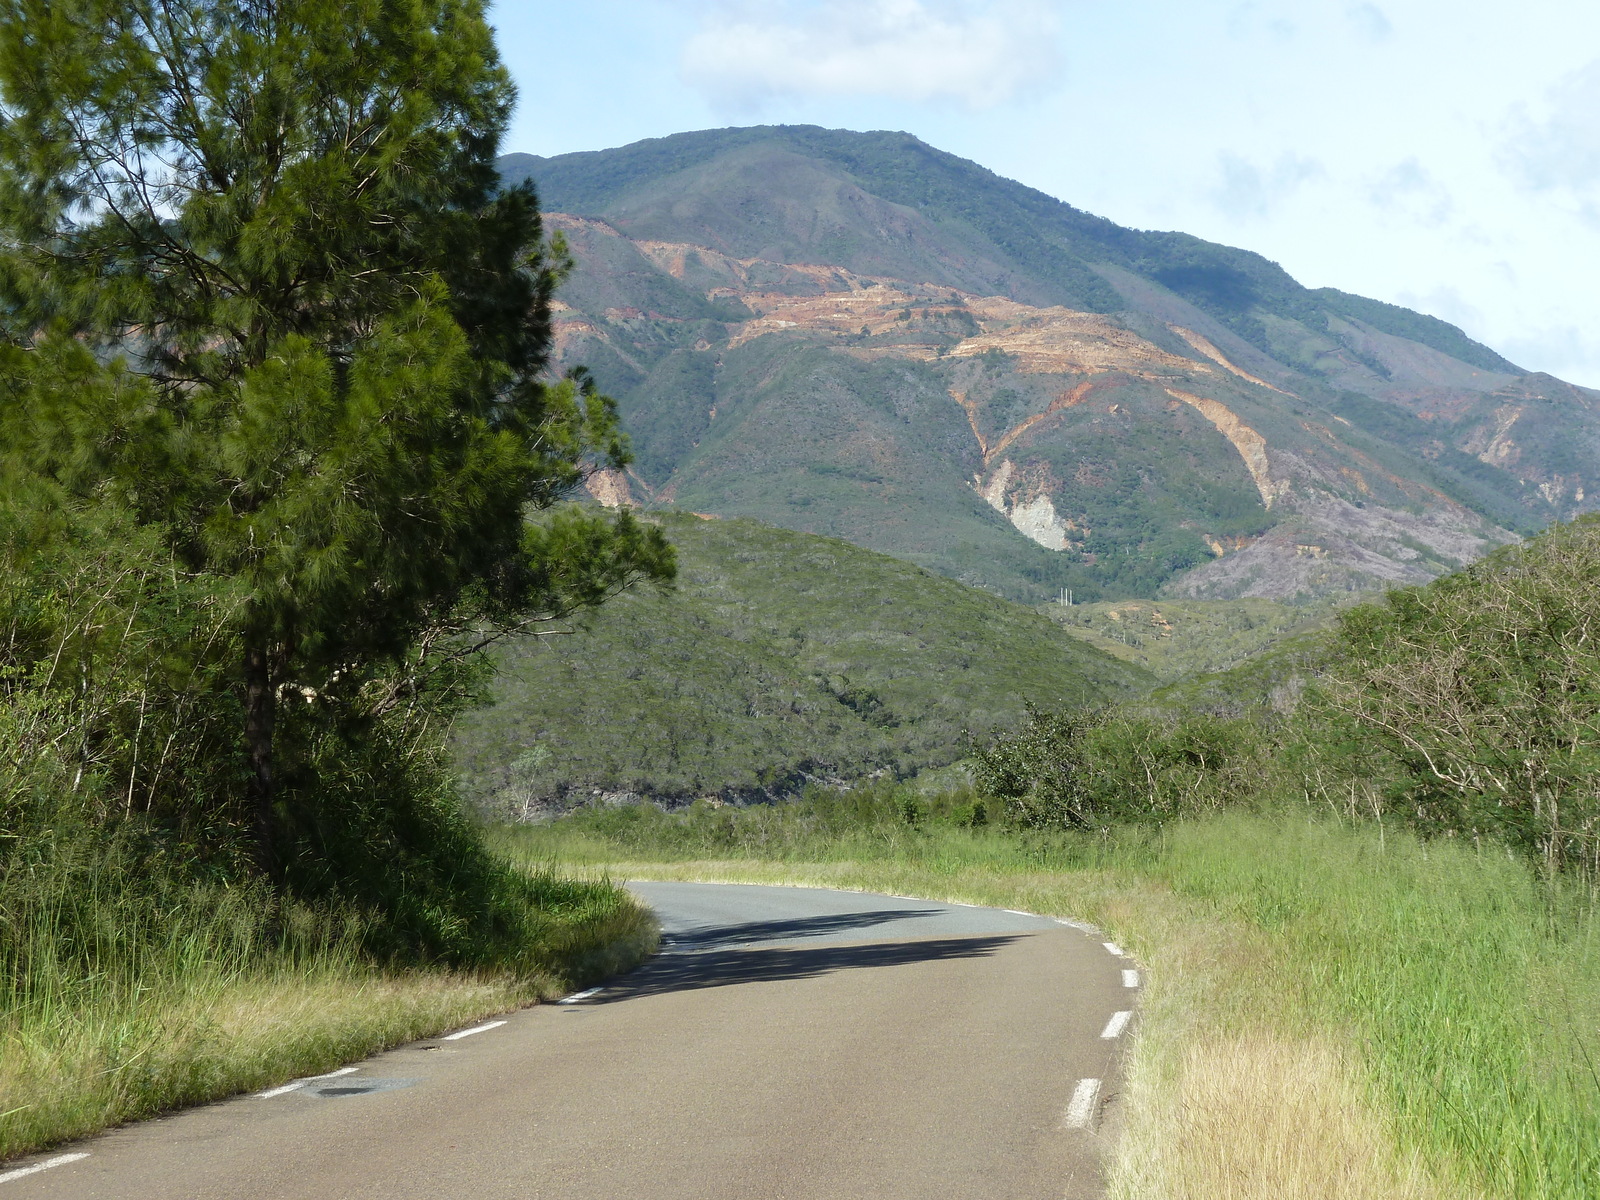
(787, 1043)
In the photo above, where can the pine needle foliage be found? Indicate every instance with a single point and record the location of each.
(266, 306)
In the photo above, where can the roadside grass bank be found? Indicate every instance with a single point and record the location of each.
(118, 1003)
(1331, 1010)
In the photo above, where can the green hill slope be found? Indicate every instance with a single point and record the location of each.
(1177, 640)
(781, 658)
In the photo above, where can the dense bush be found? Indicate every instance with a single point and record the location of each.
(1469, 707)
(1040, 773)
(1091, 769)
(122, 778)
(1478, 696)
(878, 812)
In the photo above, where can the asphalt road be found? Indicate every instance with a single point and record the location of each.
(787, 1043)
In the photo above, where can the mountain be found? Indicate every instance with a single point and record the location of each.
(781, 658)
(858, 335)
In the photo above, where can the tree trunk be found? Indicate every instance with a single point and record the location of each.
(260, 719)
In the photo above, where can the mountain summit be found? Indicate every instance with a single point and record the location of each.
(859, 335)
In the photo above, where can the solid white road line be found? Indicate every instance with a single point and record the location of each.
(484, 1028)
(1130, 979)
(300, 1083)
(1114, 948)
(1016, 912)
(584, 995)
(1080, 1109)
(1115, 1026)
(59, 1160)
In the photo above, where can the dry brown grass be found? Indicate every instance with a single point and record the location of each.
(79, 1053)
(104, 1064)
(1264, 1116)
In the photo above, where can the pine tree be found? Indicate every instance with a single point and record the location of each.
(276, 226)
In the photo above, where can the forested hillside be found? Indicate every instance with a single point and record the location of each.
(781, 659)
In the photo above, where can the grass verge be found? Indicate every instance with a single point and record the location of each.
(1331, 1011)
(192, 1001)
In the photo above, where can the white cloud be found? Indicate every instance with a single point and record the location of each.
(1250, 192)
(976, 52)
(1564, 351)
(1559, 151)
(1409, 190)
(1370, 22)
(1246, 21)
(1448, 303)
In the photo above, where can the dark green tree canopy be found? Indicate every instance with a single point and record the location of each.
(261, 289)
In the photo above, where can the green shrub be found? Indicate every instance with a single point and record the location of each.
(913, 811)
(971, 815)
(1040, 773)
(1090, 769)
(1477, 697)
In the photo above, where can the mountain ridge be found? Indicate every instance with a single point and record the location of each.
(859, 335)
(566, 186)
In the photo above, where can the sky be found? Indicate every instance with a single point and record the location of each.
(1440, 154)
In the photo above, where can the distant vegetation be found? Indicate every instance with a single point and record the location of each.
(1464, 708)
(1179, 639)
(780, 658)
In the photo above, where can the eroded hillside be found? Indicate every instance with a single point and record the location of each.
(1090, 434)
(1027, 398)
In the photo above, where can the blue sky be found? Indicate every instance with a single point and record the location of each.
(1442, 154)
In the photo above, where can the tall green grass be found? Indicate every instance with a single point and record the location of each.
(1467, 985)
(144, 965)
(126, 989)
(1471, 985)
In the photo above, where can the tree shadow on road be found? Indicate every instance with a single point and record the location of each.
(678, 972)
(790, 930)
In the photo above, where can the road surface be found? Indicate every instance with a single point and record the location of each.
(788, 1044)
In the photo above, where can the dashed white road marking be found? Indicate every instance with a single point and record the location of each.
(1130, 979)
(484, 1028)
(1080, 1109)
(1115, 1026)
(1114, 948)
(59, 1160)
(1071, 924)
(576, 996)
(300, 1083)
